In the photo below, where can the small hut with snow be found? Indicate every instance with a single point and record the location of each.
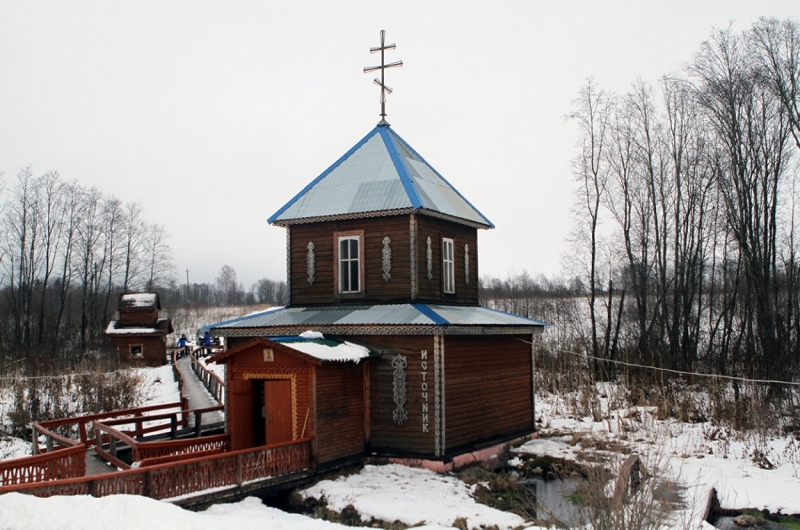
(139, 333)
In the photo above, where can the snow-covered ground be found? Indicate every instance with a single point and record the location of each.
(747, 471)
(158, 386)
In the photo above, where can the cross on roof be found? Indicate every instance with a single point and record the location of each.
(384, 89)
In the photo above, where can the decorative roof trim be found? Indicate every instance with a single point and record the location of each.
(262, 341)
(381, 213)
(459, 220)
(273, 219)
(488, 222)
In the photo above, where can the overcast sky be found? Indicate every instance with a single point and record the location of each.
(213, 115)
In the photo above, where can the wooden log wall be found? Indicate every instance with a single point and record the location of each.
(154, 348)
(340, 411)
(488, 388)
(376, 289)
(138, 318)
(248, 366)
(414, 437)
(432, 290)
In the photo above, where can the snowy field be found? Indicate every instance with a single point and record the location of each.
(747, 471)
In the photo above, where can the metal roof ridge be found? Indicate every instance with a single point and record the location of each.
(406, 144)
(539, 322)
(238, 319)
(400, 167)
(324, 174)
(430, 313)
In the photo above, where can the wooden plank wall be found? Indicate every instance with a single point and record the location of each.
(340, 411)
(386, 435)
(488, 388)
(138, 317)
(240, 391)
(322, 291)
(431, 290)
(153, 348)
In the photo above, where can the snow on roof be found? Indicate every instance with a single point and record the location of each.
(325, 351)
(112, 329)
(139, 299)
(312, 335)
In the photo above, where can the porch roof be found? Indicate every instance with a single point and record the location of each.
(380, 314)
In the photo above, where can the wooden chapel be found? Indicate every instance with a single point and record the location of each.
(383, 350)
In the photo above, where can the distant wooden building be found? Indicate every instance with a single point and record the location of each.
(139, 333)
(399, 360)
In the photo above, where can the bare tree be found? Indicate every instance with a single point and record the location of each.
(160, 268)
(753, 130)
(776, 45)
(134, 234)
(227, 285)
(592, 117)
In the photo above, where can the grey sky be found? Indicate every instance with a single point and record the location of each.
(213, 114)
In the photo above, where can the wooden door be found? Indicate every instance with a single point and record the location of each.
(278, 411)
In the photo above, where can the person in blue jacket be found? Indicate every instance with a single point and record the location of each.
(207, 342)
(183, 342)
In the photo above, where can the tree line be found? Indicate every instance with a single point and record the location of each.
(227, 290)
(66, 252)
(685, 244)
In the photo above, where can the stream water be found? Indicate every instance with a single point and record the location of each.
(725, 523)
(552, 498)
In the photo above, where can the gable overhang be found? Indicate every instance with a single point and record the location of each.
(262, 342)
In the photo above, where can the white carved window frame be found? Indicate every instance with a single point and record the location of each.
(340, 289)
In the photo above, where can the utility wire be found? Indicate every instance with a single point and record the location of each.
(680, 372)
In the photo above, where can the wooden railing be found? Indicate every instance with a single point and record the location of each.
(61, 463)
(175, 479)
(111, 438)
(63, 458)
(86, 425)
(212, 381)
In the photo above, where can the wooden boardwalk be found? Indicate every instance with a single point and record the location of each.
(196, 393)
(96, 465)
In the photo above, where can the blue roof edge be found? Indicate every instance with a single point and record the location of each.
(488, 222)
(538, 322)
(400, 166)
(430, 313)
(324, 174)
(238, 319)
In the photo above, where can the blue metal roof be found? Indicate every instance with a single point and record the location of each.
(383, 314)
(380, 173)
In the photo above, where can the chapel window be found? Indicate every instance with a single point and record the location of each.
(448, 266)
(348, 260)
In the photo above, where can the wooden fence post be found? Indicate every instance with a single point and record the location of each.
(239, 480)
(149, 485)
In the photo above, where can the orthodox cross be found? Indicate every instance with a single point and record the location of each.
(384, 89)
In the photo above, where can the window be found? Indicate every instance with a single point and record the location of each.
(348, 262)
(137, 350)
(448, 266)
